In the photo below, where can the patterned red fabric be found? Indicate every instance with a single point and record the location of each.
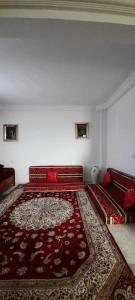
(116, 193)
(54, 245)
(107, 179)
(65, 174)
(53, 187)
(125, 181)
(28, 237)
(110, 199)
(110, 212)
(52, 177)
(129, 199)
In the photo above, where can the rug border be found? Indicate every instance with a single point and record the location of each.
(111, 236)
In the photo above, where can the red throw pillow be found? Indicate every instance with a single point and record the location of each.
(52, 176)
(107, 179)
(129, 199)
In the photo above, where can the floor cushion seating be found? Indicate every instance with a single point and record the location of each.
(7, 179)
(55, 178)
(109, 199)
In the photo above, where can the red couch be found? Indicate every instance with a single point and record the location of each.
(67, 178)
(109, 200)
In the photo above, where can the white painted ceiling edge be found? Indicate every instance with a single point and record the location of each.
(68, 15)
(42, 107)
(121, 91)
(110, 11)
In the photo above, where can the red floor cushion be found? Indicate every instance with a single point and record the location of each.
(107, 179)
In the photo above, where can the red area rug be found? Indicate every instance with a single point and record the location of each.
(54, 246)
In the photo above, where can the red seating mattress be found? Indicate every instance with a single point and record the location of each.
(109, 200)
(65, 174)
(68, 178)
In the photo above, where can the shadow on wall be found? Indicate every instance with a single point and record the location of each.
(102, 173)
(86, 172)
(88, 176)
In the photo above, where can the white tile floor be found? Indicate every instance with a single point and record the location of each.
(124, 236)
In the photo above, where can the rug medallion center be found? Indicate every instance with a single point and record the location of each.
(41, 213)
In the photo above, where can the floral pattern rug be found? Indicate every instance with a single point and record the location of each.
(54, 246)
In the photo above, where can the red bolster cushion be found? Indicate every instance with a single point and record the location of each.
(129, 199)
(52, 176)
(107, 179)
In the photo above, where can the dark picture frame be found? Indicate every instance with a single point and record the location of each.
(10, 132)
(82, 130)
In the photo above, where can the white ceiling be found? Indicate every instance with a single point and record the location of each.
(63, 63)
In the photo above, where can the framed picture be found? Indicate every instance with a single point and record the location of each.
(81, 130)
(10, 132)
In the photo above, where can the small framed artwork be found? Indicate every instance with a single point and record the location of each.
(10, 132)
(82, 130)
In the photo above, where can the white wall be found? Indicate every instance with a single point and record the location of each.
(102, 142)
(48, 137)
(121, 134)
